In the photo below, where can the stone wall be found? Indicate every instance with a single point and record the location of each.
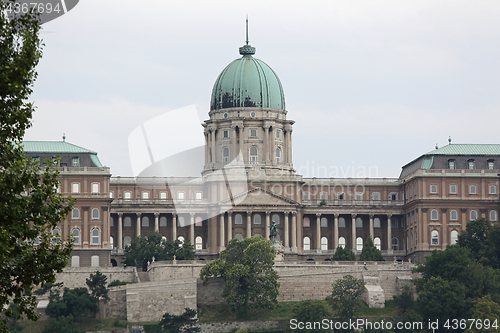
(116, 307)
(74, 277)
(248, 325)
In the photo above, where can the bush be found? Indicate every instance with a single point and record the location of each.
(343, 254)
(62, 324)
(115, 283)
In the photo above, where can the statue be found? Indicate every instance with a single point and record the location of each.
(274, 235)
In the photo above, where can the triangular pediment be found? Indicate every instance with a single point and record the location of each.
(260, 197)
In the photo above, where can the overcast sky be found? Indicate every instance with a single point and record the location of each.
(371, 84)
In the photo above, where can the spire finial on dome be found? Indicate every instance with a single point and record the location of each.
(437, 146)
(64, 137)
(449, 140)
(247, 50)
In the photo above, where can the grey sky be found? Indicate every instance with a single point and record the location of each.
(369, 83)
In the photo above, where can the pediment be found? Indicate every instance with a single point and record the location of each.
(259, 197)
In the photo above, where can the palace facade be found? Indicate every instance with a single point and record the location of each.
(248, 180)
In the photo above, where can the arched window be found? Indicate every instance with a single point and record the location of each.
(493, 215)
(238, 236)
(145, 221)
(376, 222)
(454, 237)
(342, 242)
(434, 215)
(198, 243)
(307, 243)
(198, 222)
(395, 244)
(95, 213)
(324, 243)
(127, 195)
(257, 219)
(434, 237)
(377, 243)
(127, 221)
(359, 244)
(453, 215)
(163, 221)
(75, 234)
(473, 215)
(75, 261)
(181, 239)
(276, 218)
(127, 240)
(324, 222)
(225, 155)
(307, 222)
(238, 219)
(341, 222)
(359, 222)
(75, 214)
(95, 236)
(56, 236)
(254, 154)
(394, 222)
(278, 154)
(94, 261)
(472, 189)
(145, 195)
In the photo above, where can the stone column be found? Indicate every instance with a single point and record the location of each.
(336, 232)
(389, 234)
(294, 232)
(191, 229)
(289, 145)
(120, 231)
(273, 146)
(86, 232)
(229, 226)
(444, 229)
(266, 144)
(268, 224)
(353, 232)
(206, 147)
(138, 225)
(174, 226)
(371, 226)
(221, 232)
(157, 226)
(212, 135)
(287, 236)
(249, 224)
(234, 142)
(318, 232)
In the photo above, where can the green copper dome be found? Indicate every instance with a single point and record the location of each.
(247, 82)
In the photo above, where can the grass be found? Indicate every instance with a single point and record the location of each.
(90, 324)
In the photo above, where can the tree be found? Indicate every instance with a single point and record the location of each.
(246, 267)
(343, 254)
(183, 323)
(75, 302)
(310, 311)
(370, 252)
(475, 236)
(346, 297)
(63, 324)
(97, 287)
(404, 301)
(484, 308)
(143, 249)
(29, 205)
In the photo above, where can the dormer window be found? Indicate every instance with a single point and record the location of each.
(491, 164)
(75, 162)
(451, 164)
(471, 164)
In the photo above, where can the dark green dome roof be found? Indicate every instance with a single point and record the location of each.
(247, 82)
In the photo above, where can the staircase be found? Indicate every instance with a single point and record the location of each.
(143, 276)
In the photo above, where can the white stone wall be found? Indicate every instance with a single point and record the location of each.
(74, 277)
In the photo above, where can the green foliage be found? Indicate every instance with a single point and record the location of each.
(345, 299)
(442, 299)
(29, 204)
(343, 254)
(143, 249)
(475, 236)
(242, 330)
(115, 283)
(404, 301)
(183, 323)
(75, 302)
(63, 324)
(97, 286)
(16, 327)
(485, 308)
(310, 311)
(46, 287)
(370, 252)
(414, 318)
(247, 269)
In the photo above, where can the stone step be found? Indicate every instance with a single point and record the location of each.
(143, 276)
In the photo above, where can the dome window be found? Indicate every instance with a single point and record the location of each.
(225, 114)
(253, 114)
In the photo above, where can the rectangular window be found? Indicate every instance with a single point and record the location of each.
(225, 134)
(393, 196)
(358, 196)
(111, 194)
(199, 195)
(323, 196)
(95, 188)
(75, 188)
(471, 164)
(434, 189)
(451, 164)
(376, 196)
(75, 162)
(453, 189)
(127, 195)
(163, 195)
(277, 134)
(145, 195)
(306, 196)
(472, 189)
(180, 195)
(253, 132)
(341, 196)
(493, 189)
(491, 164)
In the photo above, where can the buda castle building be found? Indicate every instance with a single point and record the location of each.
(248, 181)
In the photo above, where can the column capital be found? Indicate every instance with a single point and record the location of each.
(192, 214)
(424, 210)
(174, 214)
(336, 215)
(372, 216)
(268, 213)
(294, 213)
(389, 216)
(318, 214)
(463, 210)
(353, 215)
(85, 208)
(105, 208)
(265, 127)
(138, 214)
(249, 213)
(120, 214)
(157, 214)
(444, 210)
